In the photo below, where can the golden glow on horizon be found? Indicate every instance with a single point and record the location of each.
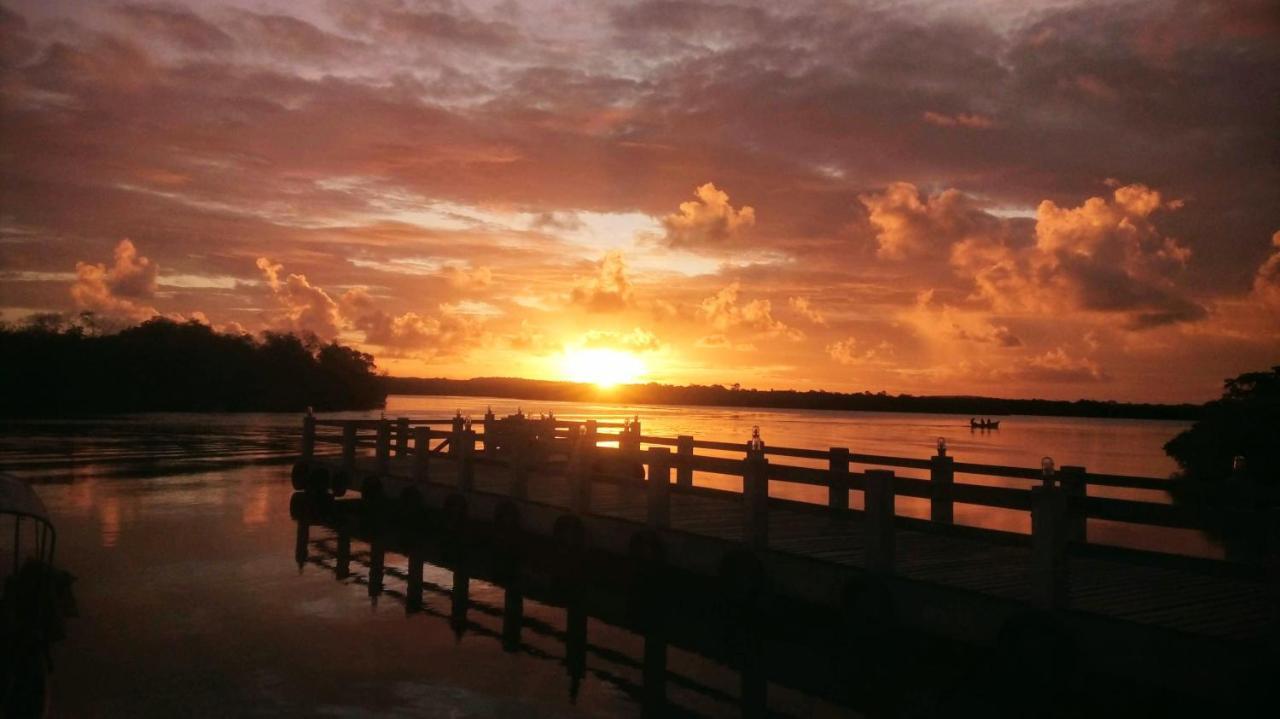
(602, 367)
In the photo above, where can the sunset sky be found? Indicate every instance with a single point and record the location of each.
(995, 197)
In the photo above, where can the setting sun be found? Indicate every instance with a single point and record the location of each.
(603, 367)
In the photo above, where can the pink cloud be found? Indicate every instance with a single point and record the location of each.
(118, 290)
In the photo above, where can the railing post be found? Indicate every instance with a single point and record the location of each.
(308, 437)
(349, 448)
(455, 435)
(466, 468)
(581, 469)
(383, 448)
(838, 481)
(684, 469)
(1049, 579)
(402, 437)
(486, 444)
(942, 477)
(878, 502)
(421, 453)
(516, 448)
(1074, 483)
(755, 498)
(659, 488)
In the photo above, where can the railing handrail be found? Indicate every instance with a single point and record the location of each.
(1099, 479)
(1059, 505)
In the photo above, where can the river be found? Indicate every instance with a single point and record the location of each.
(178, 530)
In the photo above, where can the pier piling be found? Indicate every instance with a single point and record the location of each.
(684, 468)
(421, 453)
(838, 481)
(1048, 547)
(659, 487)
(941, 488)
(878, 505)
(1073, 481)
(755, 499)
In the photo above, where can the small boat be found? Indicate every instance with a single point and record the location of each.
(34, 601)
(984, 424)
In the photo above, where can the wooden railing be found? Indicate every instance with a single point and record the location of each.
(1058, 500)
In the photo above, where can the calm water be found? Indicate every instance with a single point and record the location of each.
(177, 527)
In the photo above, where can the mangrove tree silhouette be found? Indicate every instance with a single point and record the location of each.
(54, 367)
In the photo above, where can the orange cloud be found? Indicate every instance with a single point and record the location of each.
(637, 340)
(848, 351)
(1103, 256)
(113, 291)
(450, 333)
(708, 221)
(304, 307)
(609, 290)
(724, 312)
(468, 279)
(802, 307)
(909, 227)
(1266, 283)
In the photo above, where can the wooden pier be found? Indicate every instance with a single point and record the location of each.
(1188, 624)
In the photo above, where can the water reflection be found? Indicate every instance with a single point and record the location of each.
(109, 520)
(324, 537)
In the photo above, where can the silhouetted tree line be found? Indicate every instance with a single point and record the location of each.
(734, 396)
(51, 366)
(1230, 462)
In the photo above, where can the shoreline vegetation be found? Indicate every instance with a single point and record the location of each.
(54, 364)
(734, 396)
(54, 367)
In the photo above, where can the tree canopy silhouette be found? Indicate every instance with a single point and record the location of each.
(1245, 423)
(736, 396)
(49, 366)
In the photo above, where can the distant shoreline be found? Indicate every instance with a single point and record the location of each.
(728, 397)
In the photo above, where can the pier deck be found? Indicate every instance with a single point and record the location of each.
(1155, 618)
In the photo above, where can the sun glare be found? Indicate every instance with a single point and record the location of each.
(602, 367)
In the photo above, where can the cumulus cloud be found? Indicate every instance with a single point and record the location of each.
(1105, 256)
(722, 341)
(468, 279)
(724, 312)
(532, 340)
(609, 290)
(117, 291)
(849, 351)
(304, 308)
(1053, 367)
(937, 320)
(1111, 257)
(1266, 283)
(637, 340)
(450, 332)
(1058, 366)
(802, 307)
(909, 225)
(709, 221)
